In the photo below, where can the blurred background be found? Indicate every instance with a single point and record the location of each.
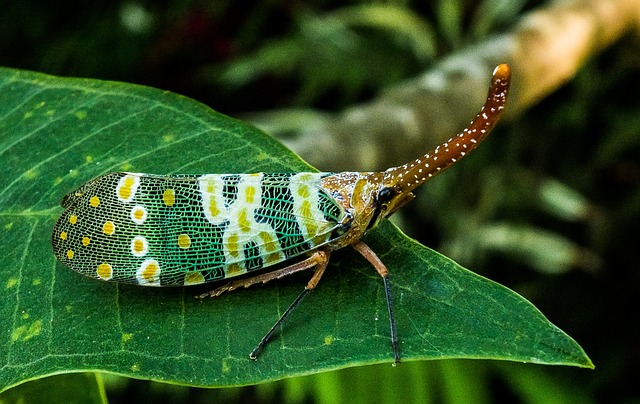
(546, 207)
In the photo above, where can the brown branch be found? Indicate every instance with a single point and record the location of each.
(545, 49)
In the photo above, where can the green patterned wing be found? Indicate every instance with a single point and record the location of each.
(180, 230)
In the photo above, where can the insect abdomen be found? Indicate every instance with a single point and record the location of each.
(162, 231)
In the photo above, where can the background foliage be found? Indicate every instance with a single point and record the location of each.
(549, 208)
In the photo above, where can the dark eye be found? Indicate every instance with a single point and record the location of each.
(385, 195)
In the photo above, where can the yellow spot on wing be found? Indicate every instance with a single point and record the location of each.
(104, 271)
(94, 201)
(63, 235)
(70, 254)
(169, 197)
(184, 241)
(211, 188)
(138, 214)
(234, 269)
(125, 191)
(73, 219)
(305, 209)
(149, 273)
(127, 187)
(307, 218)
(273, 258)
(232, 245)
(85, 241)
(139, 246)
(193, 278)
(269, 243)
(213, 208)
(250, 194)
(243, 221)
(303, 191)
(109, 228)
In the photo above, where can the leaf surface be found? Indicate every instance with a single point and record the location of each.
(57, 133)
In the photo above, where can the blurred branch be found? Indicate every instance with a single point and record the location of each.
(545, 49)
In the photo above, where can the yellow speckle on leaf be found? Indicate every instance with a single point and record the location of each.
(88, 158)
(169, 137)
(127, 336)
(328, 340)
(31, 174)
(225, 366)
(80, 115)
(11, 282)
(24, 333)
(36, 282)
(8, 226)
(135, 367)
(17, 333)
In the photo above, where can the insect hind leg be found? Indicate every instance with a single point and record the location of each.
(321, 260)
(315, 260)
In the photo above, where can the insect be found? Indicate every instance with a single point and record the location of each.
(155, 230)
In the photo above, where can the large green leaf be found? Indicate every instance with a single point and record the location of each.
(55, 134)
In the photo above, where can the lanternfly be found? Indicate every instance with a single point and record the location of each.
(155, 230)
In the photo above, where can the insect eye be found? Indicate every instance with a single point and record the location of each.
(385, 195)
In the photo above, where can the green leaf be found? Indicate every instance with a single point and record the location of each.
(56, 133)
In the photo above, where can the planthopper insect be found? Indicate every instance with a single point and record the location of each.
(155, 230)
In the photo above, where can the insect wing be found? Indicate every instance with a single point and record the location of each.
(180, 230)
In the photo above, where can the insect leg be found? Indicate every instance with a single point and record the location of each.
(370, 256)
(321, 261)
(315, 259)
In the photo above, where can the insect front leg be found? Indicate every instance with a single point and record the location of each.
(371, 256)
